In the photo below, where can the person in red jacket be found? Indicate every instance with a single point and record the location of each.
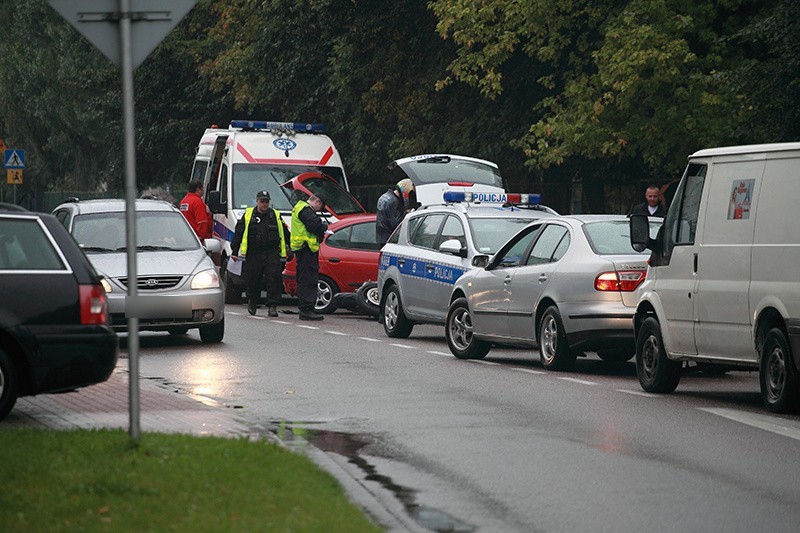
(196, 211)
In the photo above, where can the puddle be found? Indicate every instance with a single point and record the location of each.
(349, 445)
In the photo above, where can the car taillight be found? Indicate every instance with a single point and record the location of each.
(622, 281)
(94, 304)
(460, 183)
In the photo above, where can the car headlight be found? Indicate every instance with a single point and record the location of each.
(205, 279)
(106, 285)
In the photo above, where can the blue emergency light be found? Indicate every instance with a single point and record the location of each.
(492, 198)
(299, 127)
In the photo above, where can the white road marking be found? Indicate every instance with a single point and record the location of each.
(406, 346)
(483, 362)
(581, 381)
(528, 370)
(369, 339)
(639, 393)
(774, 424)
(233, 313)
(257, 317)
(434, 352)
(306, 327)
(281, 322)
(336, 332)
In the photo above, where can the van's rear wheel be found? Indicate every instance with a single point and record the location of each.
(778, 377)
(656, 372)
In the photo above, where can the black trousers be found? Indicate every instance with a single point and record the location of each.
(307, 277)
(263, 270)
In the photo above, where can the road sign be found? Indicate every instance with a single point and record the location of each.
(15, 158)
(14, 176)
(3, 146)
(98, 21)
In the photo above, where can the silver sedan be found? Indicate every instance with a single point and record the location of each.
(569, 284)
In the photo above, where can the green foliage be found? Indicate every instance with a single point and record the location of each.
(96, 480)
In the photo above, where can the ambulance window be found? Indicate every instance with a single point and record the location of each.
(223, 188)
(680, 224)
(199, 170)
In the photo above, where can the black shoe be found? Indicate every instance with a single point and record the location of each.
(251, 309)
(310, 315)
(273, 311)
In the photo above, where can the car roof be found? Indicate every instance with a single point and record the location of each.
(115, 205)
(12, 207)
(410, 159)
(348, 220)
(488, 210)
(586, 219)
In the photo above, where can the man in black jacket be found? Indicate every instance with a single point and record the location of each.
(263, 241)
(391, 209)
(652, 206)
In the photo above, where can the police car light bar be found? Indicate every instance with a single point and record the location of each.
(265, 125)
(492, 197)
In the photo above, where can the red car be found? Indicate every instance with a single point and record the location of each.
(347, 259)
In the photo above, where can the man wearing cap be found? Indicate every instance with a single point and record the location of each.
(261, 239)
(391, 210)
(308, 229)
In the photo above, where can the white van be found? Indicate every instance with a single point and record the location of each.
(723, 286)
(251, 156)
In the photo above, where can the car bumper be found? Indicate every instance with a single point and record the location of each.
(68, 357)
(598, 325)
(207, 307)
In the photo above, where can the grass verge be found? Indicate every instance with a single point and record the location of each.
(99, 480)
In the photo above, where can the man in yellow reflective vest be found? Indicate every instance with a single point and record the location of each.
(308, 229)
(261, 239)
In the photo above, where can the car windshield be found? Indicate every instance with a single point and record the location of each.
(441, 169)
(248, 179)
(155, 231)
(614, 237)
(489, 234)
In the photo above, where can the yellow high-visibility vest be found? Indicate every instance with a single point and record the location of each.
(248, 214)
(300, 234)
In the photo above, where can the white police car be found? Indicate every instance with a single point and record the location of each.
(434, 246)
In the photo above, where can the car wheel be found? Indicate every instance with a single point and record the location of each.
(369, 299)
(233, 293)
(616, 355)
(213, 333)
(395, 322)
(779, 383)
(460, 333)
(9, 387)
(178, 331)
(553, 350)
(326, 290)
(656, 372)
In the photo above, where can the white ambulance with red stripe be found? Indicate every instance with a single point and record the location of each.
(280, 157)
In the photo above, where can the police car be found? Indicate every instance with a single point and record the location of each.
(434, 246)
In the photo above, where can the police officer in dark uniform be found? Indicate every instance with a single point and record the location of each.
(308, 229)
(262, 239)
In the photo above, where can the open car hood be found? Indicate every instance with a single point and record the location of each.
(338, 201)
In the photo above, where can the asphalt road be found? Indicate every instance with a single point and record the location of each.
(500, 444)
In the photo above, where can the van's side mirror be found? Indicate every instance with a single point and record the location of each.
(215, 203)
(480, 261)
(453, 246)
(640, 232)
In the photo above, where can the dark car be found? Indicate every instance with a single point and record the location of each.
(54, 332)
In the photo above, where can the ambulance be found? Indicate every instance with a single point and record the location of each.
(283, 158)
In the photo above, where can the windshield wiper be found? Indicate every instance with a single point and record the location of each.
(98, 249)
(152, 248)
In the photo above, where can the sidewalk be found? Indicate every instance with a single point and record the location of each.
(105, 405)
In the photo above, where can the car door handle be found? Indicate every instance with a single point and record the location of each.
(334, 260)
(507, 280)
(401, 262)
(542, 278)
(429, 267)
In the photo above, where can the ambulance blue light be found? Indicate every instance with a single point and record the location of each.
(300, 127)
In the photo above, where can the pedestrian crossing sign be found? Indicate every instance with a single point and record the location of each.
(14, 176)
(15, 159)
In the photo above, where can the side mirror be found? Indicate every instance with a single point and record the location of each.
(453, 246)
(480, 261)
(640, 232)
(215, 203)
(213, 246)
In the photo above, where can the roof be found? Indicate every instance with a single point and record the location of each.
(488, 210)
(412, 158)
(118, 205)
(746, 149)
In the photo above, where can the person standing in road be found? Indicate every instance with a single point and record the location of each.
(652, 205)
(308, 229)
(391, 209)
(196, 211)
(260, 240)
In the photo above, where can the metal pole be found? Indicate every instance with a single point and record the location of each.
(130, 211)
